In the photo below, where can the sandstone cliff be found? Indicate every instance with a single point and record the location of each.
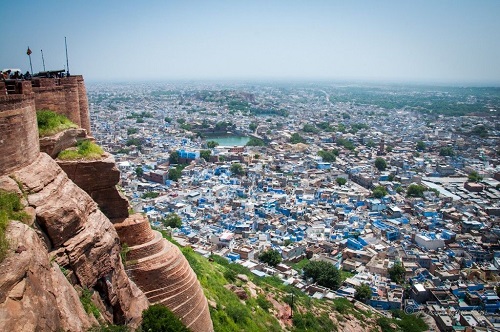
(82, 241)
(34, 293)
(156, 266)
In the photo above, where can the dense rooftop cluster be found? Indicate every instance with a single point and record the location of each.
(360, 186)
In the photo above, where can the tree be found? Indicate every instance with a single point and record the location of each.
(174, 157)
(420, 146)
(341, 181)
(327, 156)
(237, 169)
(255, 142)
(175, 173)
(205, 154)
(380, 163)
(158, 318)
(379, 192)
(139, 171)
(475, 177)
(446, 151)
(363, 292)
(415, 190)
(397, 273)
(310, 128)
(480, 130)
(271, 257)
(252, 126)
(212, 144)
(324, 273)
(167, 119)
(296, 138)
(172, 220)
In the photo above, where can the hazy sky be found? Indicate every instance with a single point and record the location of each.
(456, 41)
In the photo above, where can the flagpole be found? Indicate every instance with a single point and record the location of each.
(43, 61)
(29, 55)
(67, 63)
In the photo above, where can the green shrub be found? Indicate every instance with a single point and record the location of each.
(50, 123)
(85, 149)
(10, 209)
(123, 253)
(158, 318)
(88, 305)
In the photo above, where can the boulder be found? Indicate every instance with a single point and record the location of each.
(54, 144)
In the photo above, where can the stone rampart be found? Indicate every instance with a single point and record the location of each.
(162, 272)
(66, 96)
(18, 129)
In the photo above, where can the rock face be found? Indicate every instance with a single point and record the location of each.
(54, 144)
(81, 238)
(99, 179)
(163, 273)
(34, 293)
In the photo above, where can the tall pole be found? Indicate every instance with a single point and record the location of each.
(29, 55)
(43, 60)
(67, 63)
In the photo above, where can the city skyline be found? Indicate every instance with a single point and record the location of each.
(391, 41)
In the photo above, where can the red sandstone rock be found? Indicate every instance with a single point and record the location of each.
(163, 273)
(34, 294)
(81, 238)
(99, 179)
(54, 144)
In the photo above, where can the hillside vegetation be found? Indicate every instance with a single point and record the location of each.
(264, 303)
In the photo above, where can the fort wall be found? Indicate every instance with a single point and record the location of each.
(19, 100)
(18, 128)
(66, 96)
(160, 270)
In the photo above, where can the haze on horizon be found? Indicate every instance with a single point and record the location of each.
(445, 42)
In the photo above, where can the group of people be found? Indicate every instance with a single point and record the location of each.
(17, 75)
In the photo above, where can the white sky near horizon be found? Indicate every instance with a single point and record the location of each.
(424, 41)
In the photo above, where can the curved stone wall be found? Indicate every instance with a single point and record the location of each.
(163, 273)
(18, 130)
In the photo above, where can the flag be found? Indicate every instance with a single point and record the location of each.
(28, 51)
